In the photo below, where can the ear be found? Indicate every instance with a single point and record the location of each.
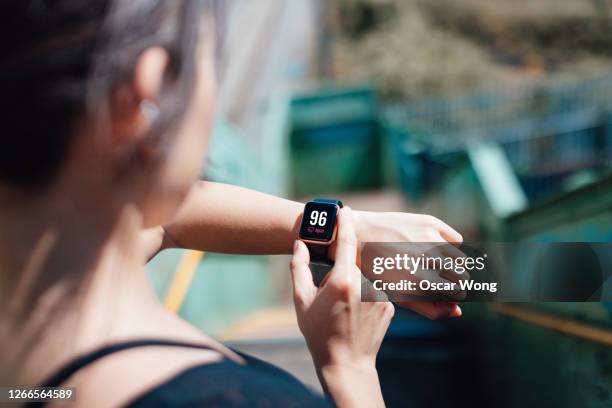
(131, 100)
(149, 73)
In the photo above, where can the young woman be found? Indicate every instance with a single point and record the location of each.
(105, 108)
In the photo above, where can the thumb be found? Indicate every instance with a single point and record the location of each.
(304, 289)
(346, 248)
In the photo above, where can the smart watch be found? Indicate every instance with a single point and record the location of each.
(318, 231)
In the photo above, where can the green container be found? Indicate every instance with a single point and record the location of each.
(535, 365)
(530, 366)
(334, 141)
(583, 214)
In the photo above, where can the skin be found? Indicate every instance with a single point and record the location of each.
(213, 218)
(87, 227)
(333, 320)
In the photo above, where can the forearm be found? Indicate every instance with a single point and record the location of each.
(352, 387)
(223, 218)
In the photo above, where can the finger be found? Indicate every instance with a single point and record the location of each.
(457, 312)
(454, 276)
(449, 275)
(332, 252)
(304, 289)
(346, 240)
(449, 289)
(449, 271)
(451, 251)
(448, 233)
(433, 310)
(346, 247)
(369, 294)
(441, 310)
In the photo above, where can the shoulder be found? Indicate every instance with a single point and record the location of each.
(124, 375)
(229, 384)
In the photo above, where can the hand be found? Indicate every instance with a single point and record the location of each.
(343, 334)
(402, 227)
(406, 227)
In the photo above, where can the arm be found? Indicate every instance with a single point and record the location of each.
(223, 218)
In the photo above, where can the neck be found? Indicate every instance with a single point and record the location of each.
(67, 271)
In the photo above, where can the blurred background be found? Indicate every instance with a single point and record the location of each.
(495, 116)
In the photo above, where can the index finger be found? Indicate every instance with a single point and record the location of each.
(346, 239)
(448, 233)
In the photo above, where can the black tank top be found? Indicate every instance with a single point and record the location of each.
(219, 384)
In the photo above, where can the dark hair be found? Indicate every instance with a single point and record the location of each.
(61, 59)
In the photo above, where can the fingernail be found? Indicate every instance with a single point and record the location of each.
(452, 310)
(295, 245)
(457, 312)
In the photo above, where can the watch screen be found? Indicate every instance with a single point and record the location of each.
(318, 222)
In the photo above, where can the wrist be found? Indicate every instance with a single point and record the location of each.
(359, 217)
(295, 220)
(337, 361)
(363, 369)
(351, 385)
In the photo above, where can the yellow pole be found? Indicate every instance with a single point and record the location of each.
(545, 320)
(181, 280)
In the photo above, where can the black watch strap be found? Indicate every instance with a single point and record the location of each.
(318, 254)
(328, 200)
(320, 264)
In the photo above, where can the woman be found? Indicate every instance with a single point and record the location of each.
(104, 104)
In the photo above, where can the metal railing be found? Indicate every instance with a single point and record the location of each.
(548, 128)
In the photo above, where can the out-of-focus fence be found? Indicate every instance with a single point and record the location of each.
(334, 141)
(546, 131)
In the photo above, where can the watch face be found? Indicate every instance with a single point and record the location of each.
(318, 221)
